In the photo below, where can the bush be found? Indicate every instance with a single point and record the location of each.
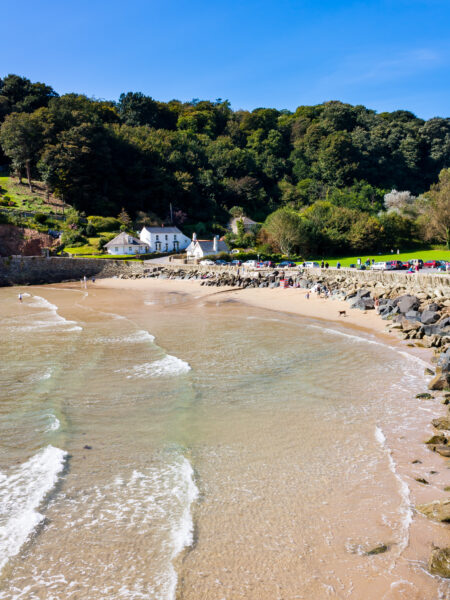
(90, 230)
(40, 218)
(104, 223)
(101, 243)
(73, 238)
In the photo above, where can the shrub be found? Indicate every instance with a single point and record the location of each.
(104, 223)
(90, 230)
(40, 218)
(73, 237)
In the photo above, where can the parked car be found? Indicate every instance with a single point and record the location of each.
(432, 264)
(269, 263)
(250, 263)
(311, 265)
(414, 261)
(207, 261)
(397, 264)
(382, 266)
(286, 264)
(235, 251)
(221, 262)
(236, 263)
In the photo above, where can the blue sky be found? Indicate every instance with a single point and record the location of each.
(385, 54)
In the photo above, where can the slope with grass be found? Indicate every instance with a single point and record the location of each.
(17, 196)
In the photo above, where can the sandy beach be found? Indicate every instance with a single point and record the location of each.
(219, 443)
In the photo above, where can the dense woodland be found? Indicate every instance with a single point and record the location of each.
(318, 177)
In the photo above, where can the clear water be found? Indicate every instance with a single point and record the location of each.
(157, 446)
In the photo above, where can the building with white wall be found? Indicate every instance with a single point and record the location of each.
(164, 239)
(201, 248)
(124, 243)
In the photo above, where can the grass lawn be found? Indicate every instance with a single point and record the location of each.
(425, 255)
(25, 200)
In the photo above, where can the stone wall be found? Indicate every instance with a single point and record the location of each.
(16, 270)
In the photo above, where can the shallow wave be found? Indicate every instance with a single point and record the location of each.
(167, 366)
(53, 423)
(133, 338)
(47, 318)
(152, 501)
(22, 490)
(405, 509)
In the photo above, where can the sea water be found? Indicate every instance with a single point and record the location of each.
(158, 446)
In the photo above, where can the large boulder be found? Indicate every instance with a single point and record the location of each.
(363, 303)
(439, 562)
(443, 364)
(441, 423)
(440, 382)
(429, 317)
(406, 303)
(439, 510)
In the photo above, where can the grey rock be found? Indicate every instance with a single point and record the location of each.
(429, 317)
(406, 303)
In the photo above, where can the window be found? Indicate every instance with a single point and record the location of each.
(130, 248)
(116, 249)
(167, 237)
(157, 237)
(167, 246)
(175, 237)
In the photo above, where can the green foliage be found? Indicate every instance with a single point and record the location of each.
(207, 161)
(104, 223)
(40, 218)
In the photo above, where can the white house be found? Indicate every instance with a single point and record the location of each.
(164, 239)
(201, 248)
(124, 243)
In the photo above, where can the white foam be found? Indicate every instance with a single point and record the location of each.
(53, 423)
(405, 509)
(22, 490)
(49, 317)
(133, 338)
(167, 366)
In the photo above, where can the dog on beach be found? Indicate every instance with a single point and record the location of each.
(342, 313)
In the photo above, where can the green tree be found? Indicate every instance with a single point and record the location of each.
(21, 140)
(283, 226)
(436, 220)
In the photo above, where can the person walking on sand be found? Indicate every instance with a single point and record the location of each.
(85, 281)
(20, 297)
(377, 305)
(307, 295)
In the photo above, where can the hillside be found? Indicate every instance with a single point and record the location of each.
(194, 164)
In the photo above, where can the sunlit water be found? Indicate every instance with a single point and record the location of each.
(160, 447)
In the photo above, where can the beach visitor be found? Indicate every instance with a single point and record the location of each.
(338, 265)
(417, 267)
(20, 297)
(307, 295)
(359, 262)
(326, 265)
(322, 264)
(377, 305)
(93, 280)
(85, 281)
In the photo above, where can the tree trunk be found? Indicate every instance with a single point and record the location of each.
(27, 166)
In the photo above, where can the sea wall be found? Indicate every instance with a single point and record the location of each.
(16, 270)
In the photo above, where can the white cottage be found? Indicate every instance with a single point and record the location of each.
(124, 243)
(201, 248)
(164, 239)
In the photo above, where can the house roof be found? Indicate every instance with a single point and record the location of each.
(208, 246)
(125, 239)
(163, 230)
(245, 221)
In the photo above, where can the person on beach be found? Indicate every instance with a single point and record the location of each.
(326, 265)
(307, 295)
(322, 264)
(377, 305)
(20, 297)
(85, 281)
(338, 265)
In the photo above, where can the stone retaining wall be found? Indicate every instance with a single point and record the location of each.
(17, 270)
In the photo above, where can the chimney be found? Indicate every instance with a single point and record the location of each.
(194, 237)
(215, 244)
